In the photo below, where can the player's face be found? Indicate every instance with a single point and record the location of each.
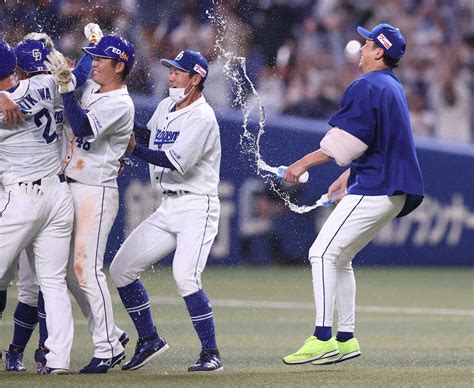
(369, 53)
(103, 71)
(179, 79)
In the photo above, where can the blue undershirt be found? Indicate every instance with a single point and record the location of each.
(77, 116)
(157, 158)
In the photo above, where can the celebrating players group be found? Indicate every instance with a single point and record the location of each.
(64, 129)
(62, 137)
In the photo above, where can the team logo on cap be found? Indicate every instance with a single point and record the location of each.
(198, 69)
(179, 56)
(385, 42)
(119, 52)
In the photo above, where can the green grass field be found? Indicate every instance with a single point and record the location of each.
(415, 327)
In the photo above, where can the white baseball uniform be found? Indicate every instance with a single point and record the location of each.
(39, 210)
(92, 171)
(187, 219)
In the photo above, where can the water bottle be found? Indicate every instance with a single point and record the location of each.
(325, 201)
(302, 179)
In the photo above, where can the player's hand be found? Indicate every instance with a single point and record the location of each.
(10, 109)
(45, 38)
(294, 172)
(132, 143)
(58, 66)
(93, 33)
(339, 186)
(31, 189)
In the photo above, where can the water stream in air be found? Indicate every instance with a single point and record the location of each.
(236, 72)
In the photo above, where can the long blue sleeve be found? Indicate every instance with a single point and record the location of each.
(77, 116)
(142, 133)
(83, 69)
(157, 158)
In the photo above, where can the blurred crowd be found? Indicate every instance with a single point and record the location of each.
(297, 50)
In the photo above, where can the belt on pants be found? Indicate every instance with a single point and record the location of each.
(61, 177)
(70, 180)
(176, 192)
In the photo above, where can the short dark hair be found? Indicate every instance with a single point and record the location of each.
(390, 62)
(126, 71)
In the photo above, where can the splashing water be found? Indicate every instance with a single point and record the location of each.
(236, 71)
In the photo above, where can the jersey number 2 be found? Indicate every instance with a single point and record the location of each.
(49, 137)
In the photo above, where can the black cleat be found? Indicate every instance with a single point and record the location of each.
(146, 349)
(209, 361)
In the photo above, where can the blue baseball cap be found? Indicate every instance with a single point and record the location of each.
(387, 37)
(114, 47)
(190, 62)
(31, 54)
(7, 60)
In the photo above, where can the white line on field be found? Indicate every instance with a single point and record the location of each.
(279, 305)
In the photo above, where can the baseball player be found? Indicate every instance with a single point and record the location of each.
(38, 214)
(371, 133)
(101, 121)
(184, 154)
(27, 312)
(7, 69)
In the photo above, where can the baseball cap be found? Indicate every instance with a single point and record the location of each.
(189, 61)
(387, 37)
(31, 54)
(114, 47)
(7, 60)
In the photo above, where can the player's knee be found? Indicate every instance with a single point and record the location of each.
(120, 277)
(29, 298)
(187, 285)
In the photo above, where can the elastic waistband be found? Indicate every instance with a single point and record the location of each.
(177, 192)
(47, 180)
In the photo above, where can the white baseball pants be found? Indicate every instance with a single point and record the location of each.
(349, 228)
(27, 284)
(95, 209)
(187, 223)
(42, 222)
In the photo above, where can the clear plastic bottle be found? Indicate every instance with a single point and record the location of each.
(302, 179)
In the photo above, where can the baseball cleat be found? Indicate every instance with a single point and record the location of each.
(209, 361)
(124, 338)
(98, 365)
(14, 360)
(52, 371)
(116, 360)
(347, 350)
(313, 349)
(145, 351)
(40, 357)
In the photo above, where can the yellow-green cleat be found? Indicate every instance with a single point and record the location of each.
(313, 349)
(347, 350)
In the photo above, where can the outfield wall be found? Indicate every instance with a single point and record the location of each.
(255, 228)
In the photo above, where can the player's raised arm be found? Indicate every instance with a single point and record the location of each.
(77, 116)
(82, 70)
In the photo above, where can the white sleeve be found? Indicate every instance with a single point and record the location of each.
(191, 145)
(342, 146)
(108, 115)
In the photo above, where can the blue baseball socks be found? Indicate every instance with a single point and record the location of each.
(135, 299)
(202, 317)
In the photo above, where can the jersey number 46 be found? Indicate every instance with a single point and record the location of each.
(81, 143)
